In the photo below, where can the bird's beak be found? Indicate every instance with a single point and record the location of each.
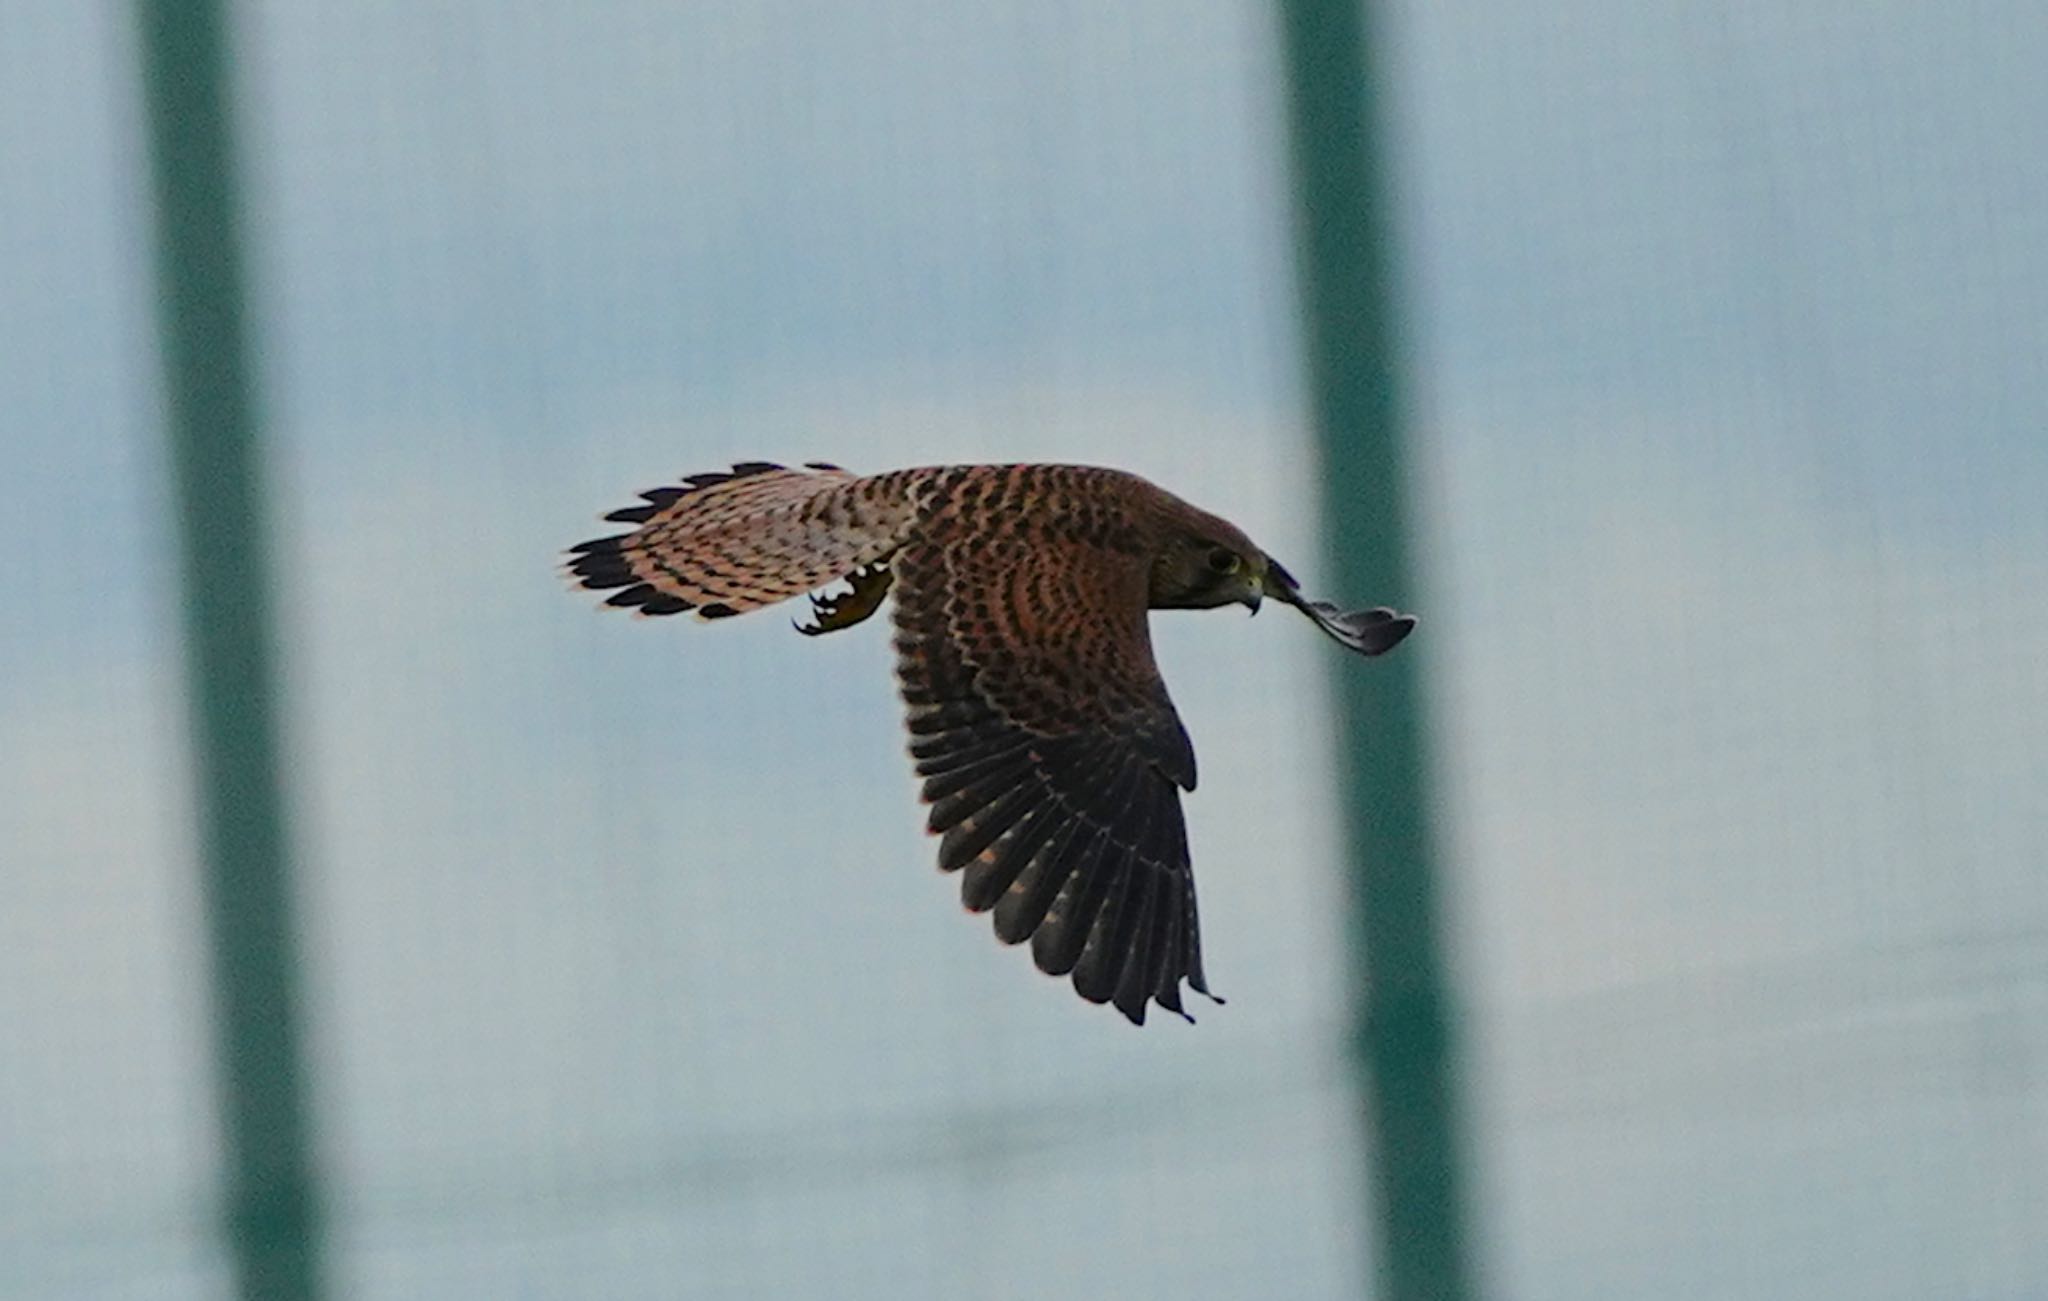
(1254, 593)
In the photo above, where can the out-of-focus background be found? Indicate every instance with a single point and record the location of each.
(623, 966)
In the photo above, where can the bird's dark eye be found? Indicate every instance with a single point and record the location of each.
(1224, 561)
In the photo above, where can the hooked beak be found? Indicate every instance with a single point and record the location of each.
(1254, 593)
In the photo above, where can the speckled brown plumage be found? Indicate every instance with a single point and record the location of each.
(1049, 751)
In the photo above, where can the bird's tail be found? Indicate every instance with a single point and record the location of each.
(725, 543)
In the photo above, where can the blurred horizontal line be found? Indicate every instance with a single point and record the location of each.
(1280, 1074)
(822, 1153)
(1953, 1016)
(1962, 1019)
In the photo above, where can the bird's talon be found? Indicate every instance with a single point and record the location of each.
(868, 585)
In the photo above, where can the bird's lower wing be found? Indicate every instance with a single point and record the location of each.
(1052, 759)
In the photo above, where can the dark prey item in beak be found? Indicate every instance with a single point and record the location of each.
(1369, 632)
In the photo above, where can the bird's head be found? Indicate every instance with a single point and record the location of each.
(1202, 562)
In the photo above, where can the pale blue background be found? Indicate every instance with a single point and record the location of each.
(629, 973)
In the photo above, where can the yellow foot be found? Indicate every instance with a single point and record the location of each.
(870, 585)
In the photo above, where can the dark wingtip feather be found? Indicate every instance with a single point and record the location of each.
(716, 610)
(1168, 994)
(1065, 876)
(660, 499)
(964, 839)
(645, 598)
(632, 596)
(601, 564)
(985, 884)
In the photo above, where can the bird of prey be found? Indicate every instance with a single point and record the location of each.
(1048, 749)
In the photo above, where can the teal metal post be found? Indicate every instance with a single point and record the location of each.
(271, 1211)
(1402, 1026)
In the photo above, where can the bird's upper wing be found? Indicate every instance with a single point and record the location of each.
(1051, 756)
(725, 543)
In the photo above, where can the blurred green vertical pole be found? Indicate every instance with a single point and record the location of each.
(1402, 1031)
(272, 1220)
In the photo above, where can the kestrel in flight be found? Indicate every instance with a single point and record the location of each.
(1050, 754)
